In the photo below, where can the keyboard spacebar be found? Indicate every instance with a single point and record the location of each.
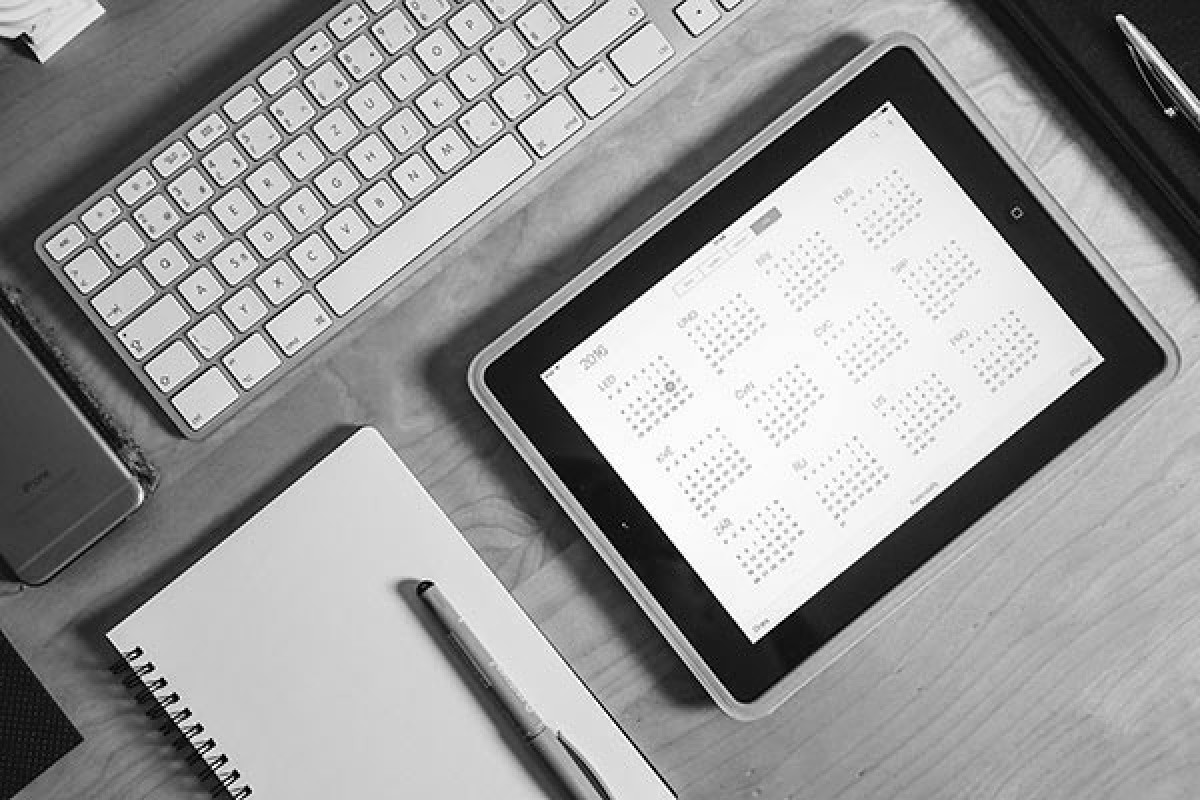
(431, 219)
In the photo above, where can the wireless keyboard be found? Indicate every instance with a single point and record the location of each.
(224, 256)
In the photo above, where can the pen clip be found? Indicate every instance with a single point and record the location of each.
(1151, 81)
(591, 774)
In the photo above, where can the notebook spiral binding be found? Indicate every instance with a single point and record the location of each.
(213, 767)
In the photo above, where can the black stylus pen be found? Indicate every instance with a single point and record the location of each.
(567, 763)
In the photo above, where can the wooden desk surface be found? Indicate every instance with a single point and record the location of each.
(1060, 658)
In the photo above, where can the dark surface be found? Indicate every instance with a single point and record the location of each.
(34, 732)
(1081, 53)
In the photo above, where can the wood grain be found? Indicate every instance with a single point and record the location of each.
(1059, 659)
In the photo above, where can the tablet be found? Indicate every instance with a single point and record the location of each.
(785, 403)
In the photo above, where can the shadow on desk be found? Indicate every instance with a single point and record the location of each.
(445, 369)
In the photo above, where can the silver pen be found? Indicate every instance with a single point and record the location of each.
(1160, 76)
(566, 763)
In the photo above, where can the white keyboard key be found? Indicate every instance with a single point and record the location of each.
(312, 256)
(172, 366)
(136, 186)
(481, 123)
(122, 297)
(697, 15)
(427, 12)
(165, 263)
(380, 203)
(348, 21)
(596, 89)
(337, 183)
(170, 160)
(210, 336)
(394, 31)
(87, 271)
(403, 77)
(244, 309)
(360, 58)
(313, 49)
(235, 263)
(302, 209)
(505, 51)
(278, 282)
(234, 210)
(538, 25)
(570, 9)
(370, 156)
(447, 149)
(292, 110)
(268, 236)
(251, 361)
(598, 32)
(302, 156)
(65, 242)
(204, 398)
(547, 71)
(156, 217)
(201, 289)
(470, 25)
(414, 175)
(268, 183)
(437, 51)
(335, 130)
(404, 130)
(503, 9)
(190, 190)
(551, 125)
(103, 212)
(242, 104)
(122, 243)
(327, 83)
(278, 76)
(209, 130)
(438, 103)
(225, 163)
(298, 324)
(471, 77)
(641, 54)
(200, 236)
(370, 104)
(442, 211)
(348, 156)
(346, 229)
(153, 327)
(514, 96)
(259, 137)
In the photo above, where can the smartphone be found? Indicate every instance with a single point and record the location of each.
(61, 485)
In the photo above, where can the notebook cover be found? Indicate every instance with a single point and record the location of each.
(34, 732)
(299, 641)
(1083, 56)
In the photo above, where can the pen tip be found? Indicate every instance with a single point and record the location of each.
(424, 586)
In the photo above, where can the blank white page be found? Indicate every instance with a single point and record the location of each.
(292, 643)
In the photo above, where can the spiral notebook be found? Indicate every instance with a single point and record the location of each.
(296, 646)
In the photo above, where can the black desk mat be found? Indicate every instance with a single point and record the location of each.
(34, 732)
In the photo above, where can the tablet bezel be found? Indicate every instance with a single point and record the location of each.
(748, 679)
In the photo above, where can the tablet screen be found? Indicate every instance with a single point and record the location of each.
(820, 370)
